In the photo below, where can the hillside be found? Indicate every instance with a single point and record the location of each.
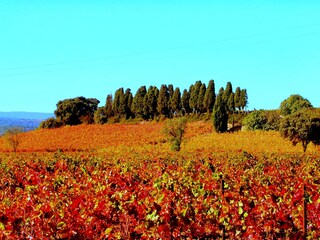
(198, 137)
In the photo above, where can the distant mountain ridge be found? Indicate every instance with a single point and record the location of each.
(27, 121)
(26, 115)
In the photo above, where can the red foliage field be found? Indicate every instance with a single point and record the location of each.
(123, 182)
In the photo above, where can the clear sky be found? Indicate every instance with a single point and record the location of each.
(53, 50)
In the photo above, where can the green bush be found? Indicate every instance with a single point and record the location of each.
(50, 123)
(262, 120)
(174, 130)
(100, 116)
(255, 120)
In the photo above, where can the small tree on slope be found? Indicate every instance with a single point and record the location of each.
(302, 126)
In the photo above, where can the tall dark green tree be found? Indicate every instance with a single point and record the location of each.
(176, 101)
(243, 99)
(118, 107)
(227, 92)
(170, 92)
(194, 94)
(163, 101)
(210, 97)
(108, 106)
(128, 99)
(221, 91)
(150, 102)
(220, 115)
(138, 102)
(231, 104)
(185, 102)
(201, 104)
(237, 98)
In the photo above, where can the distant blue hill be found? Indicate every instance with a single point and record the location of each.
(26, 115)
(27, 121)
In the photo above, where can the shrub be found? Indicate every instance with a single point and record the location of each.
(262, 120)
(255, 120)
(50, 123)
(273, 120)
(13, 137)
(100, 116)
(174, 130)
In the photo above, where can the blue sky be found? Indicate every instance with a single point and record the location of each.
(53, 50)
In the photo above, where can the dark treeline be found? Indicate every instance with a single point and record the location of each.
(149, 104)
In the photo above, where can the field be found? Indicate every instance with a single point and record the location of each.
(122, 181)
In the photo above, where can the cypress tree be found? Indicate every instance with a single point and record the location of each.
(231, 104)
(185, 101)
(227, 92)
(220, 115)
(163, 101)
(243, 99)
(150, 102)
(117, 107)
(200, 101)
(194, 93)
(109, 109)
(170, 92)
(210, 97)
(128, 103)
(176, 101)
(138, 102)
(237, 97)
(221, 91)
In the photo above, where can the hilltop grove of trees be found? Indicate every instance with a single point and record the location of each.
(151, 103)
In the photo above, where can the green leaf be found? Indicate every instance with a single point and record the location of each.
(153, 216)
(240, 210)
(184, 212)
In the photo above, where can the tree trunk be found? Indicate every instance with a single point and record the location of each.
(304, 145)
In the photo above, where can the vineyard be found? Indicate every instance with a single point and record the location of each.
(121, 181)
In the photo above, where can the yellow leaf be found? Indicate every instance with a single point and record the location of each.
(2, 227)
(108, 231)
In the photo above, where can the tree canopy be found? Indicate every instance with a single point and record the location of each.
(293, 104)
(77, 110)
(302, 127)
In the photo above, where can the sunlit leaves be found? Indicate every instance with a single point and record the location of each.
(143, 191)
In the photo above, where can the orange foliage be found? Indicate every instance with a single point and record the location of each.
(199, 137)
(88, 137)
(125, 183)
